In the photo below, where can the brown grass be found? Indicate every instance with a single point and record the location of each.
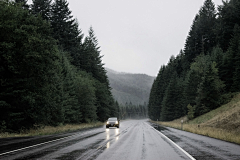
(222, 123)
(48, 130)
(226, 135)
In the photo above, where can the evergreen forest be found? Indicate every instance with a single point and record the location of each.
(206, 72)
(130, 88)
(133, 111)
(50, 73)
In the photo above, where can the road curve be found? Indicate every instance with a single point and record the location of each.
(135, 139)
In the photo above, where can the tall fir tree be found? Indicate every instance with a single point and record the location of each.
(30, 70)
(91, 62)
(202, 35)
(42, 7)
(156, 95)
(235, 52)
(206, 26)
(23, 3)
(210, 86)
(168, 103)
(190, 90)
(228, 17)
(66, 30)
(230, 61)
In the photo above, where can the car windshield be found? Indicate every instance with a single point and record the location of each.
(112, 119)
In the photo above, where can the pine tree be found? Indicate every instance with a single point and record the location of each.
(86, 94)
(235, 47)
(156, 95)
(168, 103)
(69, 99)
(202, 36)
(30, 70)
(23, 3)
(210, 86)
(228, 17)
(181, 109)
(91, 60)
(192, 46)
(42, 7)
(66, 31)
(206, 26)
(230, 63)
(151, 105)
(91, 63)
(190, 90)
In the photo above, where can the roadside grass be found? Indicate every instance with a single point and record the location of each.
(49, 130)
(226, 135)
(222, 123)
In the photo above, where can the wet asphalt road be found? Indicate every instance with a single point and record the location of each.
(135, 139)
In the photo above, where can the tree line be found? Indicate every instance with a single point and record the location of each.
(205, 74)
(131, 111)
(50, 73)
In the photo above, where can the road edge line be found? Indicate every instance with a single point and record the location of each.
(32, 146)
(191, 157)
(1, 154)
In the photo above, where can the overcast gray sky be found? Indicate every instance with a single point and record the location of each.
(137, 36)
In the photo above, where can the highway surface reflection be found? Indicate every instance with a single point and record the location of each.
(112, 132)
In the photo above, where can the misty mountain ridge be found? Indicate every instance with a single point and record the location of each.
(129, 87)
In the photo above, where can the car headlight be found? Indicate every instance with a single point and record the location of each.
(107, 122)
(116, 122)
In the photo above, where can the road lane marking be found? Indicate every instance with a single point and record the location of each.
(40, 144)
(32, 146)
(191, 157)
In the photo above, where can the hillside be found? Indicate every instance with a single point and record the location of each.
(126, 87)
(226, 117)
(221, 123)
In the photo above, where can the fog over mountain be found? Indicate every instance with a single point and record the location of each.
(128, 87)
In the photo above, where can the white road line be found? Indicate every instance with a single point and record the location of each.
(32, 146)
(191, 157)
(38, 144)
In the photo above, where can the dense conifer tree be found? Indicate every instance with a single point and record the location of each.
(91, 62)
(234, 56)
(190, 90)
(156, 95)
(192, 45)
(23, 3)
(228, 17)
(42, 7)
(42, 83)
(197, 82)
(206, 26)
(201, 37)
(69, 99)
(209, 90)
(29, 70)
(230, 64)
(168, 103)
(86, 94)
(66, 31)
(152, 107)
